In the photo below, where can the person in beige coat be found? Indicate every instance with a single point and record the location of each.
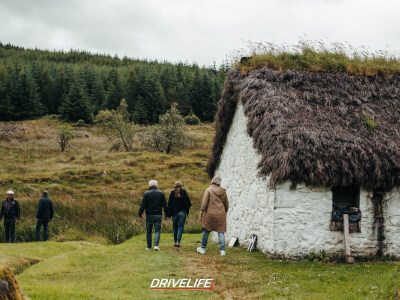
(214, 207)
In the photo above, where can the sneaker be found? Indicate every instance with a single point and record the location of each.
(222, 252)
(148, 248)
(156, 248)
(201, 250)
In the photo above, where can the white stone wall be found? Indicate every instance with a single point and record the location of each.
(251, 201)
(392, 222)
(302, 223)
(291, 223)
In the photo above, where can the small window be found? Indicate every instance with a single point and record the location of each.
(346, 199)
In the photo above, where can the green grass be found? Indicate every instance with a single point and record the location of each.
(318, 57)
(89, 270)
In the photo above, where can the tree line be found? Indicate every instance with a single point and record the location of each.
(76, 85)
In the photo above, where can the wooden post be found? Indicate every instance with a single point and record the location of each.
(349, 258)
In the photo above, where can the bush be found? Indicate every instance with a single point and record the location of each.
(192, 119)
(116, 126)
(64, 137)
(80, 123)
(54, 117)
(169, 134)
(321, 256)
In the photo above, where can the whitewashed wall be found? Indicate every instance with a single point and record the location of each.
(302, 223)
(288, 222)
(392, 222)
(251, 201)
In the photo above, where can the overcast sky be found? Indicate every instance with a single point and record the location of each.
(199, 31)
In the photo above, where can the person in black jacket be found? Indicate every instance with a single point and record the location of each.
(11, 212)
(153, 201)
(178, 208)
(44, 215)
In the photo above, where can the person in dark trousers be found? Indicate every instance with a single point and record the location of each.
(178, 208)
(152, 203)
(11, 212)
(44, 215)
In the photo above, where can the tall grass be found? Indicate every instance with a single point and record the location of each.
(85, 204)
(317, 57)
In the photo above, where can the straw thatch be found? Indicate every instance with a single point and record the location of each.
(311, 127)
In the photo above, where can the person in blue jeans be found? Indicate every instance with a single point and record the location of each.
(214, 207)
(44, 215)
(152, 203)
(178, 208)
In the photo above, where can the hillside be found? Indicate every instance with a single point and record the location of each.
(87, 205)
(35, 82)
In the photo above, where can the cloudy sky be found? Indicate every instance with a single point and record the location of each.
(201, 31)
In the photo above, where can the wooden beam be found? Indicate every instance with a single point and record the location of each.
(349, 258)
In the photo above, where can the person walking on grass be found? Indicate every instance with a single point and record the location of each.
(178, 208)
(214, 207)
(44, 215)
(152, 203)
(11, 212)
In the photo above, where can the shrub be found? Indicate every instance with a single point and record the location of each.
(64, 137)
(321, 256)
(192, 119)
(169, 134)
(116, 126)
(80, 123)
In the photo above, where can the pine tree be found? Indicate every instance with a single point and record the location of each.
(115, 93)
(76, 105)
(154, 100)
(208, 104)
(139, 114)
(132, 90)
(24, 98)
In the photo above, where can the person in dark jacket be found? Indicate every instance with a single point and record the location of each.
(11, 212)
(178, 208)
(44, 215)
(152, 203)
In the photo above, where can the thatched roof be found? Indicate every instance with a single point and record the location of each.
(313, 127)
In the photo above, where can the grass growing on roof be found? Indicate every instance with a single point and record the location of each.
(316, 57)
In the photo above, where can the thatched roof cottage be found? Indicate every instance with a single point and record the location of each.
(296, 149)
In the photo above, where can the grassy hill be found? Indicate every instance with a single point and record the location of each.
(87, 205)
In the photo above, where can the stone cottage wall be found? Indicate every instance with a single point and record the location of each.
(392, 223)
(302, 223)
(293, 223)
(251, 201)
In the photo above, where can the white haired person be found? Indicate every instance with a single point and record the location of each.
(214, 207)
(11, 212)
(152, 203)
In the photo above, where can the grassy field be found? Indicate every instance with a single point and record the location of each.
(86, 205)
(97, 250)
(90, 270)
